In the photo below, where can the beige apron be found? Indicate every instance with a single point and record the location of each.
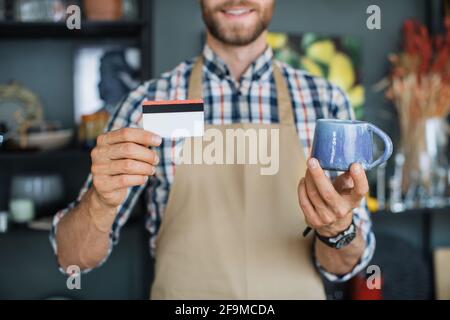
(229, 232)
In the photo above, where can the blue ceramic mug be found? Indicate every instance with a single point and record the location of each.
(340, 143)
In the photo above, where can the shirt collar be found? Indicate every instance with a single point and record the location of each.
(259, 68)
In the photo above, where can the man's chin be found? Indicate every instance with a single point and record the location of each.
(236, 33)
(237, 40)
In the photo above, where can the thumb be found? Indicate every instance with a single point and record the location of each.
(361, 185)
(343, 182)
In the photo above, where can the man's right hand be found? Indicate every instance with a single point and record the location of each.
(121, 160)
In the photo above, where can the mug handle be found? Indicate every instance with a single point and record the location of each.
(387, 146)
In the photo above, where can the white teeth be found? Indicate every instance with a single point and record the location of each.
(237, 12)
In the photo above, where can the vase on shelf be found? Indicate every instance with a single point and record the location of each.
(103, 10)
(421, 173)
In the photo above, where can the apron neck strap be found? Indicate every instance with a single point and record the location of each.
(285, 110)
(195, 88)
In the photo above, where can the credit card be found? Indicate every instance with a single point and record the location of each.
(174, 119)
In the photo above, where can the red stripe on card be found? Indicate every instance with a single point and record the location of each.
(165, 102)
(305, 110)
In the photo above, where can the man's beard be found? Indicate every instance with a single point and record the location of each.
(235, 36)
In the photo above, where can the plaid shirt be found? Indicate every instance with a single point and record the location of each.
(251, 100)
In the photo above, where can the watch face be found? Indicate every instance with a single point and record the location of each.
(345, 240)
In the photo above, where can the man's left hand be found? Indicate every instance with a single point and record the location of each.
(328, 206)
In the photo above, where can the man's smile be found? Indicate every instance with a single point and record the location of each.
(237, 12)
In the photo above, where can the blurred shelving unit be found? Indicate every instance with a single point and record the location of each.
(90, 29)
(137, 32)
(131, 258)
(59, 44)
(16, 35)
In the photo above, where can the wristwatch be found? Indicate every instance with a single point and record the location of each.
(342, 239)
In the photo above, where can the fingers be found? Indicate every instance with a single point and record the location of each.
(122, 159)
(361, 185)
(104, 154)
(320, 207)
(311, 217)
(105, 184)
(327, 206)
(343, 183)
(135, 135)
(323, 184)
(126, 166)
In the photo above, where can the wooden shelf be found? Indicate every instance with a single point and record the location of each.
(89, 29)
(70, 152)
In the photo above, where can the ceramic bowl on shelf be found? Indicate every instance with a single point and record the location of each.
(46, 140)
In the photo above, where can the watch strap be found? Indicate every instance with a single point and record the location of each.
(336, 241)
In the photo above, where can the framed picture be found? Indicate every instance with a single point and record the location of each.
(103, 76)
(335, 58)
